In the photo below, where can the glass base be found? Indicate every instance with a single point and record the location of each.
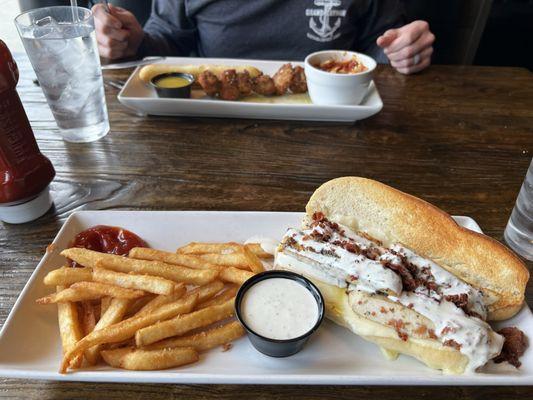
(518, 241)
(86, 134)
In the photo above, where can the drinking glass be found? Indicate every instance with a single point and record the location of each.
(519, 231)
(61, 45)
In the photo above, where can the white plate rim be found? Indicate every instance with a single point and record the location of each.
(126, 100)
(192, 378)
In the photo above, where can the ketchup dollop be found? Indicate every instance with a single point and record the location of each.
(108, 239)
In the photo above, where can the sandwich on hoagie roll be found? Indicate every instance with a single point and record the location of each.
(401, 273)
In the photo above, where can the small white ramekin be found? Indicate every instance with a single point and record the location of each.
(328, 88)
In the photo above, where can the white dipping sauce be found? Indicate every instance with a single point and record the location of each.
(279, 308)
(268, 245)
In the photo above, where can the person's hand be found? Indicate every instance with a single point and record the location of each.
(408, 48)
(118, 32)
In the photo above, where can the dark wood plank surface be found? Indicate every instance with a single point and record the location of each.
(459, 137)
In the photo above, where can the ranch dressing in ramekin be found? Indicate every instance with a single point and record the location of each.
(279, 308)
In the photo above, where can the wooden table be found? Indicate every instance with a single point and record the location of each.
(459, 137)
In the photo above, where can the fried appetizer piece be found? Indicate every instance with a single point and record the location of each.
(230, 87)
(298, 82)
(244, 82)
(282, 79)
(209, 83)
(264, 85)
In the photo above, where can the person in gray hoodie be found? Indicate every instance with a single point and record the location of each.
(267, 29)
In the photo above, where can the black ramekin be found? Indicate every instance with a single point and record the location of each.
(180, 92)
(277, 347)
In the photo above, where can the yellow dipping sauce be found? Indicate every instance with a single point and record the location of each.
(172, 82)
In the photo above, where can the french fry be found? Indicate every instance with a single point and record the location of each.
(254, 262)
(69, 327)
(258, 250)
(66, 276)
(124, 264)
(205, 340)
(114, 313)
(87, 258)
(141, 302)
(157, 268)
(236, 260)
(183, 323)
(126, 329)
(148, 360)
(104, 304)
(205, 248)
(222, 248)
(81, 291)
(227, 274)
(184, 260)
(88, 316)
(150, 284)
(235, 275)
(207, 291)
(227, 294)
(203, 292)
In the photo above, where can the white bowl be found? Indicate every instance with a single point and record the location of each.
(328, 88)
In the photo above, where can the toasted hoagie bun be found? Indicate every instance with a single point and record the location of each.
(392, 216)
(150, 71)
(402, 274)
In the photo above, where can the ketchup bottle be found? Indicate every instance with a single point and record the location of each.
(25, 173)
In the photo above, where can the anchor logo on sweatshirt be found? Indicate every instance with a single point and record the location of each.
(322, 30)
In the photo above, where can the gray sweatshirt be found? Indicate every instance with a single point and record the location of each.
(268, 29)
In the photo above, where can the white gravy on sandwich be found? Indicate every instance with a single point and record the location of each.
(309, 252)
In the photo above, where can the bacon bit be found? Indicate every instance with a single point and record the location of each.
(383, 310)
(351, 247)
(226, 347)
(319, 216)
(446, 330)
(431, 286)
(422, 330)
(410, 305)
(514, 346)
(371, 253)
(51, 247)
(431, 334)
(398, 324)
(407, 278)
(359, 302)
(353, 278)
(452, 343)
(368, 237)
(460, 300)
(373, 313)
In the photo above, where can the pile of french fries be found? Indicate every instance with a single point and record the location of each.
(151, 309)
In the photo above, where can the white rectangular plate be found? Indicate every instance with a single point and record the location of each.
(30, 346)
(143, 98)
